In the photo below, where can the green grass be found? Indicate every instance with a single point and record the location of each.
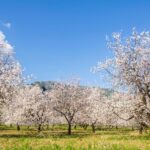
(57, 139)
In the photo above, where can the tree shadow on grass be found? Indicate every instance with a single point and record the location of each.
(73, 135)
(43, 134)
(112, 135)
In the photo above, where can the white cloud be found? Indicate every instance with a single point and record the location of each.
(7, 25)
(5, 47)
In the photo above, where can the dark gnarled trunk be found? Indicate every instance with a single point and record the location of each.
(69, 128)
(18, 127)
(141, 129)
(93, 128)
(39, 128)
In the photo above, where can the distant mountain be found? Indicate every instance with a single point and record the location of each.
(108, 92)
(48, 85)
(45, 85)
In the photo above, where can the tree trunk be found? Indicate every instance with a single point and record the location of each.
(28, 127)
(85, 127)
(18, 127)
(69, 128)
(47, 128)
(144, 100)
(53, 127)
(145, 130)
(39, 128)
(93, 128)
(141, 129)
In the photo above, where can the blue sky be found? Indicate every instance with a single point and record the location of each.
(56, 39)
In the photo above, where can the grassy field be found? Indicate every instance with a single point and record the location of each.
(56, 139)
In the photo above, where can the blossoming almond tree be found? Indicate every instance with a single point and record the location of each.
(30, 107)
(129, 69)
(122, 105)
(68, 100)
(10, 73)
(93, 114)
